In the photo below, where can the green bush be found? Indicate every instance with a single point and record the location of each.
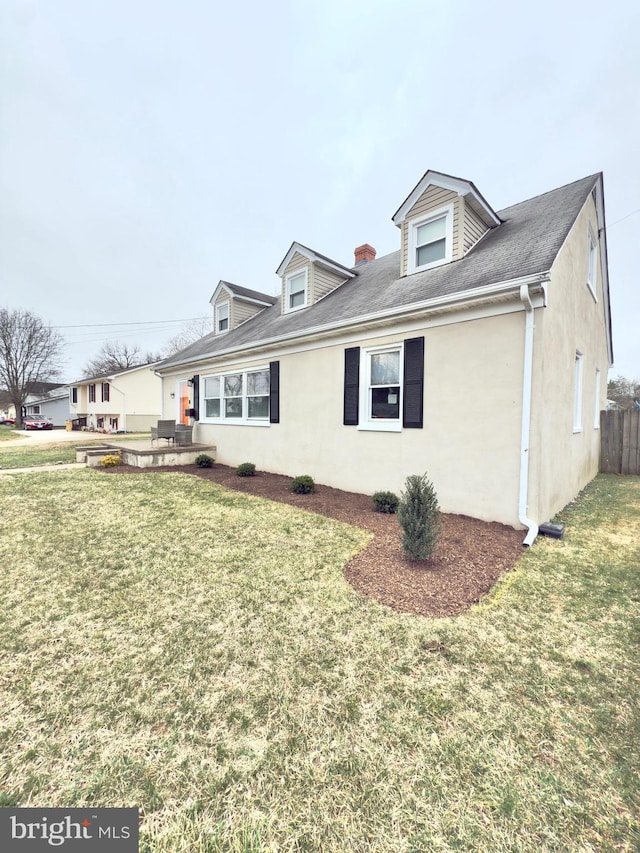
(246, 469)
(419, 516)
(204, 461)
(303, 485)
(385, 502)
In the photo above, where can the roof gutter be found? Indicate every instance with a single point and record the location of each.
(456, 300)
(525, 432)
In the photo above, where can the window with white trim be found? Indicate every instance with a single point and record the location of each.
(596, 411)
(431, 240)
(577, 392)
(296, 290)
(242, 396)
(592, 272)
(222, 317)
(381, 401)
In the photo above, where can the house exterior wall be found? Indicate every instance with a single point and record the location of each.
(324, 281)
(565, 460)
(469, 445)
(135, 399)
(241, 311)
(57, 409)
(473, 229)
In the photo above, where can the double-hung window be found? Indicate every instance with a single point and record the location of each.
(431, 240)
(105, 392)
(296, 290)
(222, 317)
(381, 407)
(237, 397)
(92, 393)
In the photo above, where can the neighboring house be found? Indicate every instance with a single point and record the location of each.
(41, 398)
(478, 353)
(124, 401)
(54, 404)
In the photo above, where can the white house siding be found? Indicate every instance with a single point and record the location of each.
(469, 445)
(564, 461)
(431, 199)
(135, 399)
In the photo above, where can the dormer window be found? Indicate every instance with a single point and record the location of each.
(431, 240)
(222, 317)
(296, 290)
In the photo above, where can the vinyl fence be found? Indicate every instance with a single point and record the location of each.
(620, 442)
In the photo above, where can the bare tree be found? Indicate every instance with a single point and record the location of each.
(29, 352)
(112, 357)
(189, 334)
(624, 391)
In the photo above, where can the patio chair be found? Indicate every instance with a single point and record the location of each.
(164, 429)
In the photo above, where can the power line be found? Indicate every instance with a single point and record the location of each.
(141, 323)
(633, 213)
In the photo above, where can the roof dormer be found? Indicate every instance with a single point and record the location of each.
(232, 305)
(307, 276)
(440, 221)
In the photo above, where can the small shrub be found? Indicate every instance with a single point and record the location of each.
(385, 502)
(419, 516)
(111, 460)
(303, 485)
(204, 461)
(246, 469)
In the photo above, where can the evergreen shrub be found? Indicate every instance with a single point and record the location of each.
(385, 502)
(419, 516)
(246, 469)
(303, 485)
(204, 461)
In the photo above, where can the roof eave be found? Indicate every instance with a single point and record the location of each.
(456, 301)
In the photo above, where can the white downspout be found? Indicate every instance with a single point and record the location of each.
(525, 434)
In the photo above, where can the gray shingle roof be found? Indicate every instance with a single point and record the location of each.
(247, 293)
(526, 243)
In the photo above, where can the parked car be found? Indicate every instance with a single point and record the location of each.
(7, 421)
(36, 422)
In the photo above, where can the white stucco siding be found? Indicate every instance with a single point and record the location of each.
(469, 445)
(565, 459)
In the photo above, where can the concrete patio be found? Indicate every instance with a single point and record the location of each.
(142, 454)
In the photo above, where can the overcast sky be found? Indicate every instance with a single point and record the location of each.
(150, 148)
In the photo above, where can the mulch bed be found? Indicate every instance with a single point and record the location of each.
(471, 554)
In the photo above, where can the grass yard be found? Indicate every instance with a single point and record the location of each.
(197, 653)
(24, 455)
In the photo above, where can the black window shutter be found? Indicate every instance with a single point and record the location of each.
(274, 392)
(351, 385)
(196, 396)
(413, 383)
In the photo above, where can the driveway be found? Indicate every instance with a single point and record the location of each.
(53, 436)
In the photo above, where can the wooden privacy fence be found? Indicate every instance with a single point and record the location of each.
(620, 442)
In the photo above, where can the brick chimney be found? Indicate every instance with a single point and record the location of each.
(364, 253)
